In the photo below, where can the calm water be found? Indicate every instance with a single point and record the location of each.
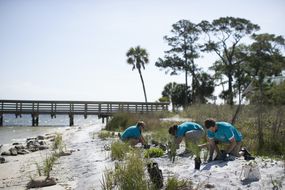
(18, 129)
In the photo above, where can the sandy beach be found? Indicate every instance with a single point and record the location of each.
(84, 168)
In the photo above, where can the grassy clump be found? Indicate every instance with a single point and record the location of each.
(119, 150)
(121, 121)
(57, 143)
(47, 166)
(174, 184)
(129, 175)
(108, 181)
(104, 134)
(153, 152)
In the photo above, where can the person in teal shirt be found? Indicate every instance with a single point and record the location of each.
(133, 134)
(189, 130)
(225, 133)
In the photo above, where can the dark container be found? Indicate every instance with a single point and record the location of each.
(197, 163)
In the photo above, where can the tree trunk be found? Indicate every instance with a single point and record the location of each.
(186, 89)
(143, 85)
(230, 98)
(259, 117)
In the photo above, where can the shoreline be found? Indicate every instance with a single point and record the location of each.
(84, 168)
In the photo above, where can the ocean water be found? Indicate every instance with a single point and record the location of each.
(18, 129)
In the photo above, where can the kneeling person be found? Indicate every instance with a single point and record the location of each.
(189, 130)
(225, 133)
(133, 134)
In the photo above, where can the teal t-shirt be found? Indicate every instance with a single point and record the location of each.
(225, 133)
(187, 126)
(131, 132)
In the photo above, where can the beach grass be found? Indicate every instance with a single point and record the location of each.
(119, 150)
(273, 125)
(173, 183)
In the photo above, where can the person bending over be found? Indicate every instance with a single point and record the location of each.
(223, 132)
(133, 134)
(190, 131)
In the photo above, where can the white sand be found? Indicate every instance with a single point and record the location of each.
(84, 168)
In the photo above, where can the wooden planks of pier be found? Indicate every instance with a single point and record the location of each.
(104, 109)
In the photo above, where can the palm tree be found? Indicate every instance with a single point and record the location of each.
(138, 57)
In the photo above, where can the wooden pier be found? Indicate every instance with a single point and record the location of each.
(103, 109)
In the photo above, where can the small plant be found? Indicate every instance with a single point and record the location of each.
(172, 149)
(131, 175)
(191, 147)
(39, 169)
(153, 152)
(57, 142)
(103, 135)
(118, 150)
(174, 184)
(107, 182)
(48, 164)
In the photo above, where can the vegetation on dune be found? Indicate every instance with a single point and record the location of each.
(153, 152)
(247, 122)
(128, 175)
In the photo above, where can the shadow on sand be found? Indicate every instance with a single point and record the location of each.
(209, 165)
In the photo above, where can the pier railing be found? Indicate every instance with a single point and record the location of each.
(104, 109)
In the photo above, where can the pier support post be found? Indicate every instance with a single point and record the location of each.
(35, 120)
(1, 120)
(71, 120)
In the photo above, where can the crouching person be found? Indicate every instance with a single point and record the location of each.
(190, 131)
(133, 134)
(223, 132)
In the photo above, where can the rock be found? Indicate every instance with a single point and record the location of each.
(2, 160)
(6, 153)
(16, 143)
(41, 181)
(19, 147)
(209, 186)
(31, 139)
(40, 137)
(43, 147)
(42, 142)
(23, 151)
(65, 153)
(13, 151)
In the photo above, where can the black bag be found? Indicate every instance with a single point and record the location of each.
(155, 174)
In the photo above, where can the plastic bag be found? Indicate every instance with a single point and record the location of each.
(250, 172)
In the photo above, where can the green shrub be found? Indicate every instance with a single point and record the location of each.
(174, 184)
(108, 181)
(153, 152)
(131, 175)
(121, 121)
(128, 175)
(103, 135)
(119, 150)
(48, 164)
(58, 143)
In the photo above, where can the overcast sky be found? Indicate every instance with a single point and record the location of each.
(76, 49)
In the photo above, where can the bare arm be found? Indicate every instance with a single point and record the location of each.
(230, 148)
(212, 147)
(178, 140)
(141, 139)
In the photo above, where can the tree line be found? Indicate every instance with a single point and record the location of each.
(239, 65)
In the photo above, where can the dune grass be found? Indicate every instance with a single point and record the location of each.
(272, 121)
